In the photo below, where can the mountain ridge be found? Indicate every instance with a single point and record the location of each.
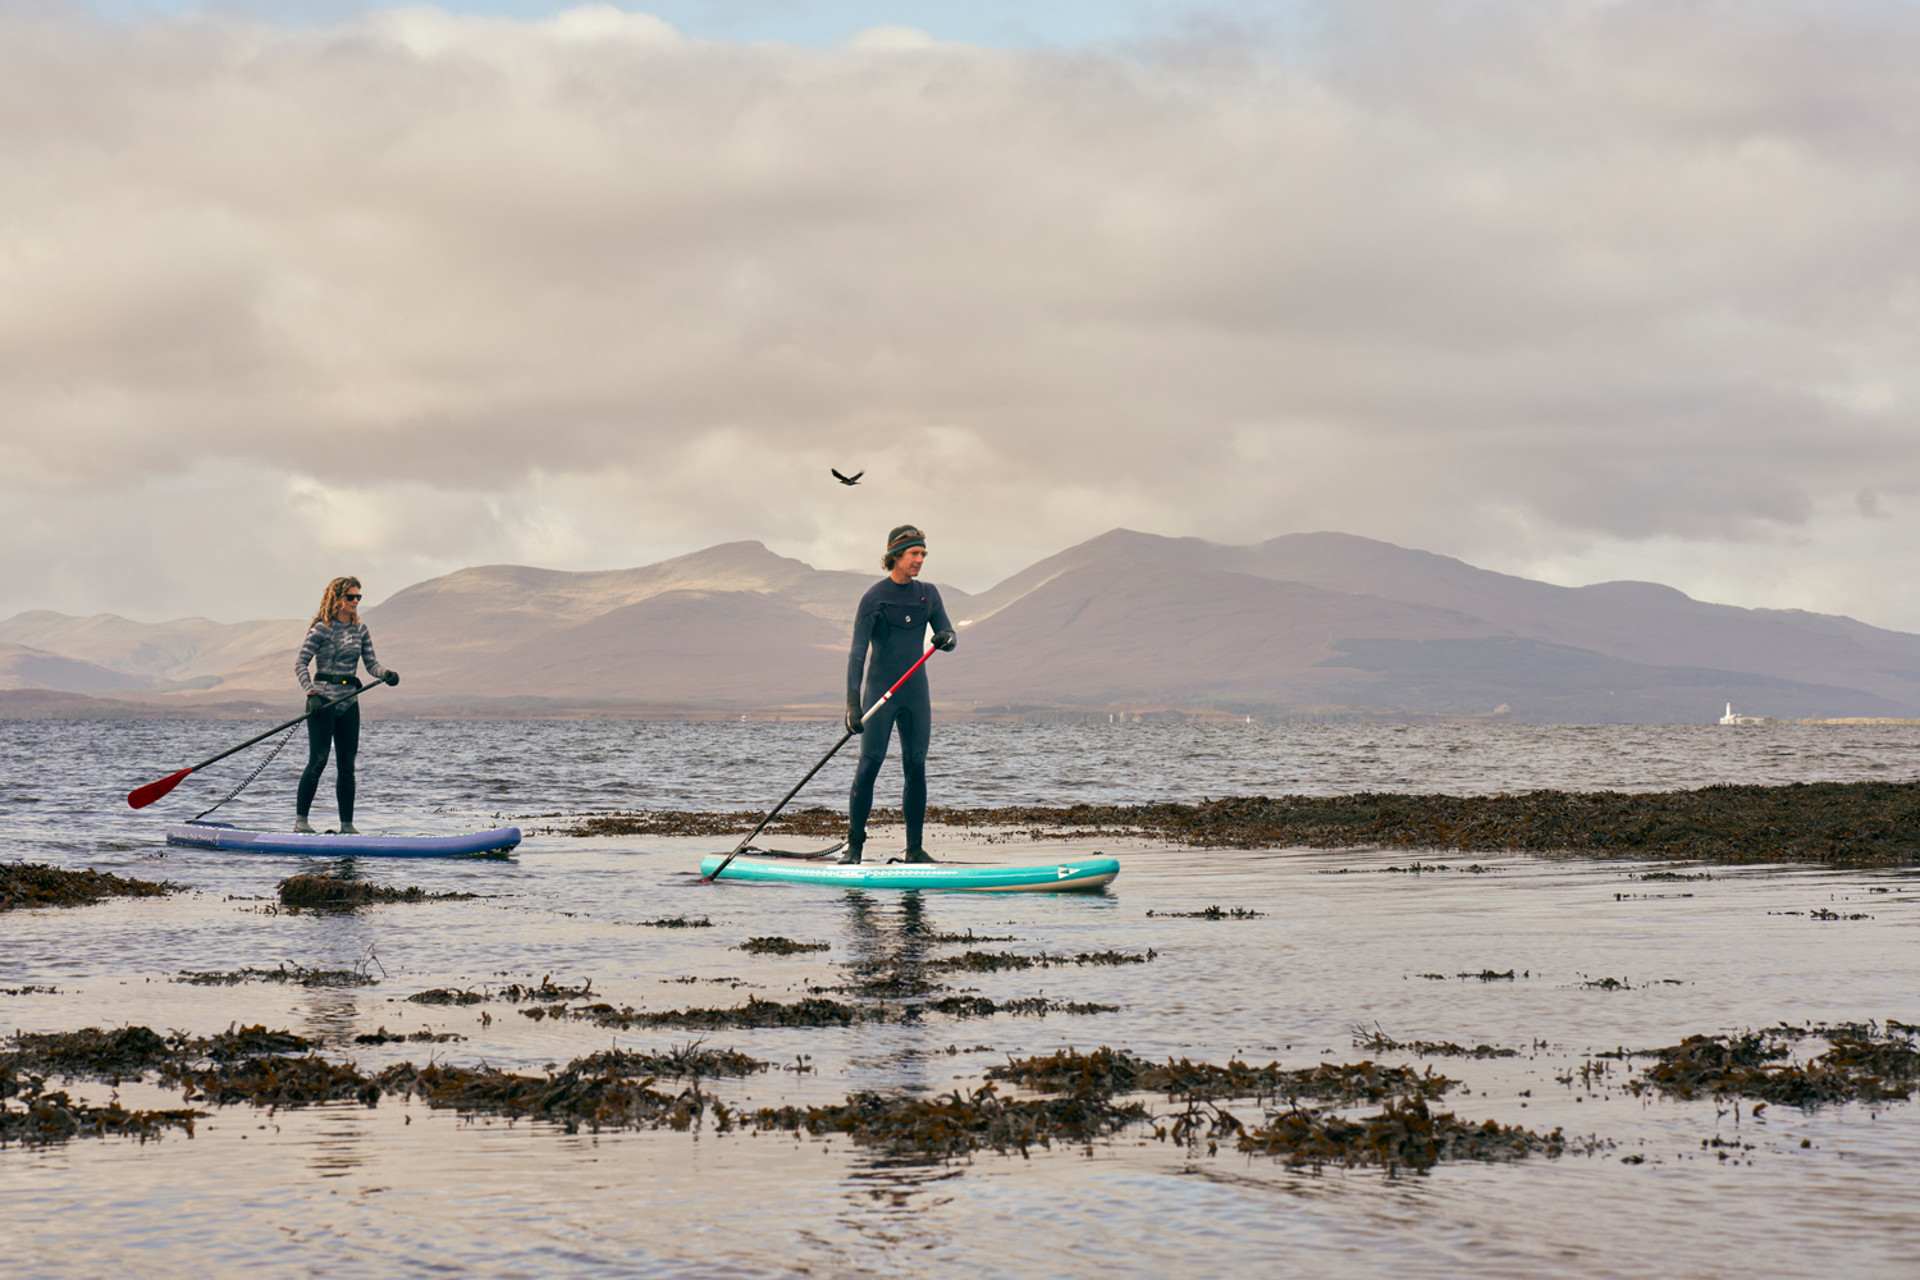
(1305, 620)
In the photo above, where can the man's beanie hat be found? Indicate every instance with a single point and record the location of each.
(903, 537)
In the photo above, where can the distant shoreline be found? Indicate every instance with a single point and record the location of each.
(50, 704)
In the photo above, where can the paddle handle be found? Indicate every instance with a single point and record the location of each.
(817, 767)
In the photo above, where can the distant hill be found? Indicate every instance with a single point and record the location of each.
(186, 649)
(22, 667)
(1321, 623)
(443, 621)
(1134, 616)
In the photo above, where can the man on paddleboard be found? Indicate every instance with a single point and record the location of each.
(337, 643)
(889, 635)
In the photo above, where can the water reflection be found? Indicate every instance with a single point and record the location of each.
(337, 1146)
(889, 938)
(1326, 952)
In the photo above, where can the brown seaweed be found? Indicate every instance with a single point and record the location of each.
(597, 1091)
(996, 961)
(298, 974)
(116, 1054)
(328, 892)
(28, 1113)
(777, 946)
(813, 1011)
(1406, 1134)
(958, 1122)
(1861, 1063)
(1027, 1007)
(1210, 913)
(1838, 823)
(1377, 1041)
(275, 1080)
(1116, 1071)
(384, 1036)
(32, 884)
(446, 996)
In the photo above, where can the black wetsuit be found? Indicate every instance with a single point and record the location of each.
(892, 621)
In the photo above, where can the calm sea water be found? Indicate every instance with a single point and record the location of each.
(400, 1190)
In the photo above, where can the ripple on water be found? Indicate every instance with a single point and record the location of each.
(398, 1189)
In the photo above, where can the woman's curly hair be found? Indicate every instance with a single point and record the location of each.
(332, 598)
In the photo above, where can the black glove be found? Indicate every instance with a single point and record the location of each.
(853, 713)
(944, 641)
(315, 702)
(392, 678)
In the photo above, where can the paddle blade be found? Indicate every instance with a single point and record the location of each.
(141, 797)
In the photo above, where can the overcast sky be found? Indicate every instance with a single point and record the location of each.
(1577, 289)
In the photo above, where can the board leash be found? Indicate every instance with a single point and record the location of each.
(258, 770)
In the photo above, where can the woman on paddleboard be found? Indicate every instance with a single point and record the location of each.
(891, 626)
(337, 643)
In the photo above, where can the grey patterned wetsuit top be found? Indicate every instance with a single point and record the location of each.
(335, 650)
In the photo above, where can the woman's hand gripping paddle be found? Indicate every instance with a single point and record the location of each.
(141, 797)
(737, 849)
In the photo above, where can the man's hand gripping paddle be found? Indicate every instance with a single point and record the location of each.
(141, 797)
(737, 849)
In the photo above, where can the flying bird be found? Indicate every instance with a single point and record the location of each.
(852, 479)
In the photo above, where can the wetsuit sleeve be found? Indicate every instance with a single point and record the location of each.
(939, 620)
(862, 633)
(374, 668)
(305, 659)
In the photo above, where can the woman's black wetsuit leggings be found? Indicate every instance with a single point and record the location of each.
(339, 728)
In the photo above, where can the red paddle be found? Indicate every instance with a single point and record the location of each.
(141, 797)
(804, 781)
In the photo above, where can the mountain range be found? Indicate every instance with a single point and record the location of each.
(1321, 625)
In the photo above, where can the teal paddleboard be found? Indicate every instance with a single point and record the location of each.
(1086, 876)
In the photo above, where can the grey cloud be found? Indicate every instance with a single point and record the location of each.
(1619, 271)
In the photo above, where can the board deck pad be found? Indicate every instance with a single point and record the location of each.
(230, 839)
(1088, 875)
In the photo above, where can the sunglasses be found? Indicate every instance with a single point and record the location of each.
(352, 595)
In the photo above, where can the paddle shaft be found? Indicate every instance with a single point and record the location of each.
(818, 767)
(177, 778)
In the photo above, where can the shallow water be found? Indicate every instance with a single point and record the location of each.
(63, 781)
(1343, 944)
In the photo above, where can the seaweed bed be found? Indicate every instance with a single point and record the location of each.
(297, 974)
(513, 991)
(776, 946)
(1406, 1133)
(336, 893)
(995, 961)
(1094, 1094)
(1861, 1062)
(813, 1011)
(1378, 1041)
(33, 884)
(613, 1089)
(1839, 823)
